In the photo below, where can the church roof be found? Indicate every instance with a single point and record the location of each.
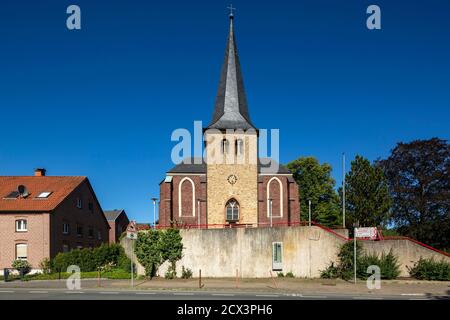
(231, 110)
(193, 167)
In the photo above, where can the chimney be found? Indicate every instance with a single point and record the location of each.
(39, 172)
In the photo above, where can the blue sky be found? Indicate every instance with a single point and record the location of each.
(103, 101)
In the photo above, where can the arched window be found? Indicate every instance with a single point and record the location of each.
(186, 198)
(275, 198)
(239, 147)
(225, 146)
(232, 210)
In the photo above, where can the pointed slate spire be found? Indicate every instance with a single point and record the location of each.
(231, 110)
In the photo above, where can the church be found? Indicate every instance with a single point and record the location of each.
(229, 187)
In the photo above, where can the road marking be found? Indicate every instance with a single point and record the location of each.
(413, 294)
(267, 295)
(145, 293)
(38, 291)
(74, 292)
(5, 291)
(367, 298)
(316, 297)
(108, 292)
(223, 294)
(419, 299)
(183, 294)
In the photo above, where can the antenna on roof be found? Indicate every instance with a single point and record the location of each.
(23, 191)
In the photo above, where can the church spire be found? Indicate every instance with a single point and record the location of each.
(231, 110)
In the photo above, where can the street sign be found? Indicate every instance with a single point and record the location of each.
(370, 233)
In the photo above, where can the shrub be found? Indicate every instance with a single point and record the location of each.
(388, 264)
(428, 269)
(186, 273)
(45, 265)
(331, 272)
(289, 275)
(22, 265)
(171, 273)
(93, 259)
(280, 275)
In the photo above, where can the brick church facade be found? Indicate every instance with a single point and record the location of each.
(231, 186)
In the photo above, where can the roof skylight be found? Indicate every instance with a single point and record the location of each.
(44, 195)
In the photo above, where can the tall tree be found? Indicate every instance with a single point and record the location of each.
(419, 181)
(315, 184)
(367, 195)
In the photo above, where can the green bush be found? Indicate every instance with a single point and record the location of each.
(331, 272)
(280, 275)
(388, 264)
(21, 265)
(45, 265)
(186, 273)
(171, 273)
(290, 275)
(428, 269)
(104, 257)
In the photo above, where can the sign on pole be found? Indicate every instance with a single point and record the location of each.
(370, 233)
(367, 233)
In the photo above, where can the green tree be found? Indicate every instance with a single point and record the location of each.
(367, 198)
(148, 251)
(316, 185)
(418, 174)
(171, 247)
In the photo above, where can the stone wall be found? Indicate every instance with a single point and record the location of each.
(306, 251)
(408, 252)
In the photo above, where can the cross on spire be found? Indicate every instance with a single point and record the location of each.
(231, 10)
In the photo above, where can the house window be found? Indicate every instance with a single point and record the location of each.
(99, 235)
(277, 256)
(79, 231)
(91, 233)
(21, 251)
(79, 245)
(239, 147)
(225, 146)
(66, 228)
(65, 248)
(79, 203)
(21, 225)
(44, 195)
(232, 210)
(91, 207)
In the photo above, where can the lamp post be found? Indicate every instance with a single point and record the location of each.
(270, 211)
(198, 213)
(309, 205)
(343, 190)
(154, 212)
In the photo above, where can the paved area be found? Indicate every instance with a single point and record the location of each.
(225, 289)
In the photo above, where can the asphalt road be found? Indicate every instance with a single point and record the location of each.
(97, 294)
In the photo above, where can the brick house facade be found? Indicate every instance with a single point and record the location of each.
(204, 193)
(118, 222)
(54, 214)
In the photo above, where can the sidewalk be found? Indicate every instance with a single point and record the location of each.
(279, 285)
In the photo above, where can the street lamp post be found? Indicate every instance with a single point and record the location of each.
(198, 213)
(309, 205)
(154, 212)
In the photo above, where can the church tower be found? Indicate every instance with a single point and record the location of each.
(231, 151)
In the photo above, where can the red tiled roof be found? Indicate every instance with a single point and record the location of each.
(60, 187)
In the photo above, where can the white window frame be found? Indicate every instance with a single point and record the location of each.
(234, 207)
(280, 215)
(20, 223)
(79, 203)
(26, 249)
(66, 228)
(277, 264)
(180, 195)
